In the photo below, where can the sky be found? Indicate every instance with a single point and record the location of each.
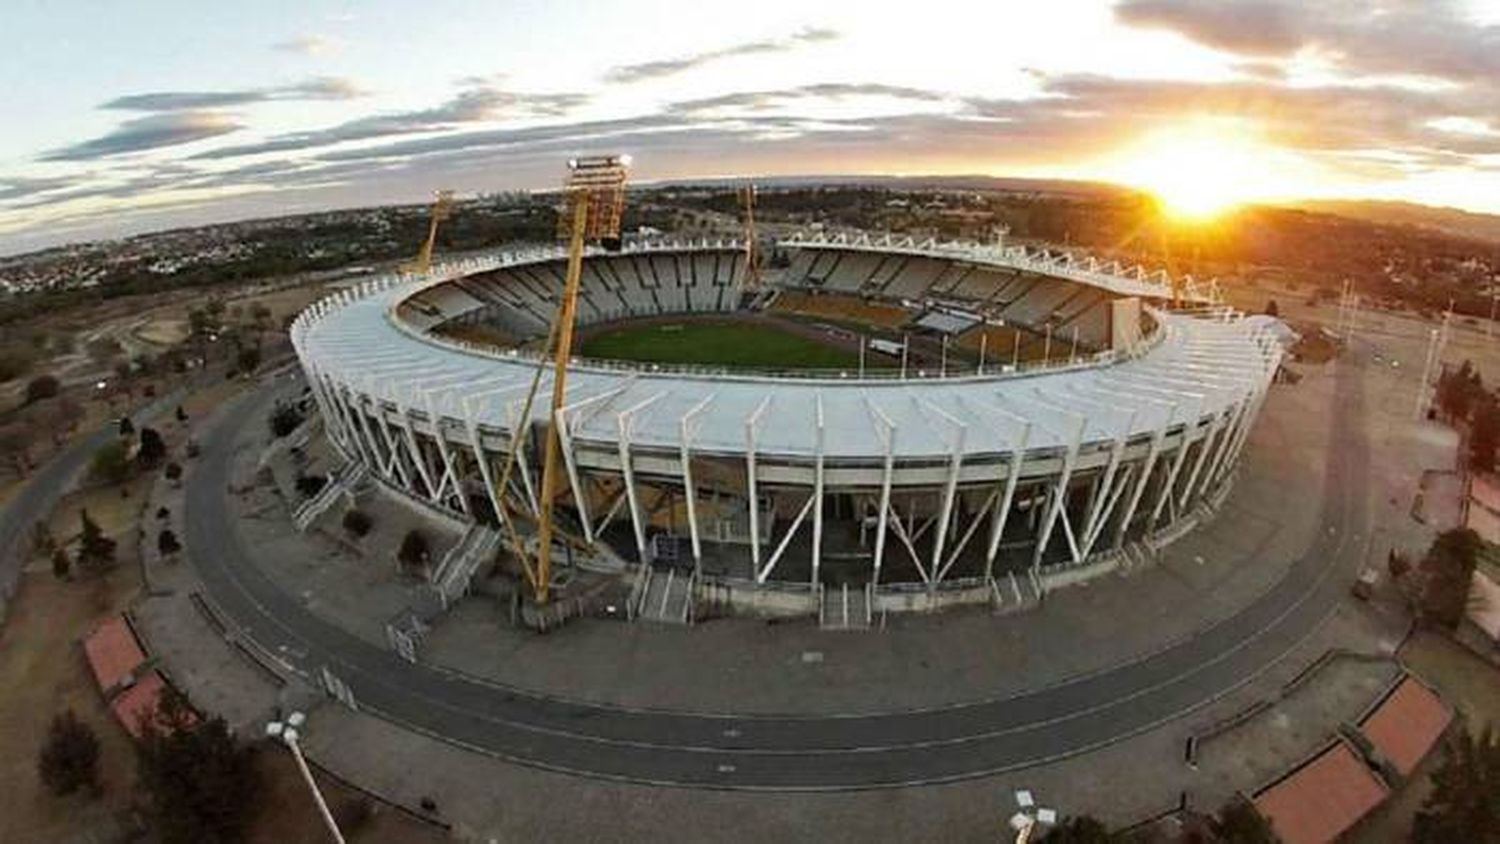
(129, 117)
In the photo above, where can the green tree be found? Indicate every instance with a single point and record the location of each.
(1080, 829)
(358, 523)
(42, 387)
(111, 463)
(1484, 434)
(413, 552)
(62, 565)
(69, 759)
(96, 552)
(153, 448)
(166, 543)
(1447, 577)
(1465, 801)
(197, 782)
(1239, 823)
(284, 419)
(248, 359)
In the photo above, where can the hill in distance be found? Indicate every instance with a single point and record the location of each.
(1451, 221)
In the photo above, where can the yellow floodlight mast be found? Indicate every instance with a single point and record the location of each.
(594, 201)
(752, 253)
(442, 206)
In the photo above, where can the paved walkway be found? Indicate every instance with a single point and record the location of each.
(992, 733)
(511, 801)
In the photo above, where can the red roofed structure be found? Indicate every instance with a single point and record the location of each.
(113, 652)
(1406, 725)
(1318, 801)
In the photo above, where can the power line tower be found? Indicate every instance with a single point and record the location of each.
(442, 207)
(594, 201)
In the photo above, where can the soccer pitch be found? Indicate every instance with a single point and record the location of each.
(726, 344)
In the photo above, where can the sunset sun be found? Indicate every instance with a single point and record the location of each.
(1199, 170)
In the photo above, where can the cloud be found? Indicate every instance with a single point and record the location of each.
(670, 67)
(474, 105)
(764, 100)
(20, 187)
(150, 132)
(1386, 37)
(319, 88)
(308, 45)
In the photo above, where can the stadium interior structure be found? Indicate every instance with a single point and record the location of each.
(1057, 417)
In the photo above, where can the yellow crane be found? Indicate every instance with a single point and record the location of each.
(442, 206)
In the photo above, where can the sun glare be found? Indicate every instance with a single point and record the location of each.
(1198, 170)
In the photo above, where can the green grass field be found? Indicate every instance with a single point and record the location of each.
(719, 344)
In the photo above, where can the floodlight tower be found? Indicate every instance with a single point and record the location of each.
(752, 253)
(594, 201)
(442, 206)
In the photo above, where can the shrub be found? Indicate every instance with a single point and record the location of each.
(358, 523)
(248, 360)
(1447, 576)
(173, 472)
(42, 387)
(413, 551)
(95, 550)
(111, 463)
(69, 760)
(167, 544)
(284, 419)
(198, 783)
(310, 485)
(62, 565)
(153, 448)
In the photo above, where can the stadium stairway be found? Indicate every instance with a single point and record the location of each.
(843, 608)
(1012, 593)
(665, 595)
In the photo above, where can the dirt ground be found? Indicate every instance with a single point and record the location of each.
(43, 671)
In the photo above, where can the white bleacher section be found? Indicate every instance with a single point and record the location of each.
(521, 299)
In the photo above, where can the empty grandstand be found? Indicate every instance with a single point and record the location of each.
(906, 487)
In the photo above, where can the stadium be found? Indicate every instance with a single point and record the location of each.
(865, 425)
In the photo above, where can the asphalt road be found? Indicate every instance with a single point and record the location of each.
(791, 753)
(36, 500)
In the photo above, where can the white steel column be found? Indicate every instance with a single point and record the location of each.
(685, 433)
(950, 489)
(624, 423)
(752, 426)
(1060, 496)
(817, 549)
(1146, 468)
(887, 432)
(1188, 428)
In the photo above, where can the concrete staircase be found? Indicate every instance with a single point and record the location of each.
(456, 570)
(846, 608)
(343, 482)
(664, 595)
(1015, 592)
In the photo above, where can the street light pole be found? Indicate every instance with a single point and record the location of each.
(287, 733)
